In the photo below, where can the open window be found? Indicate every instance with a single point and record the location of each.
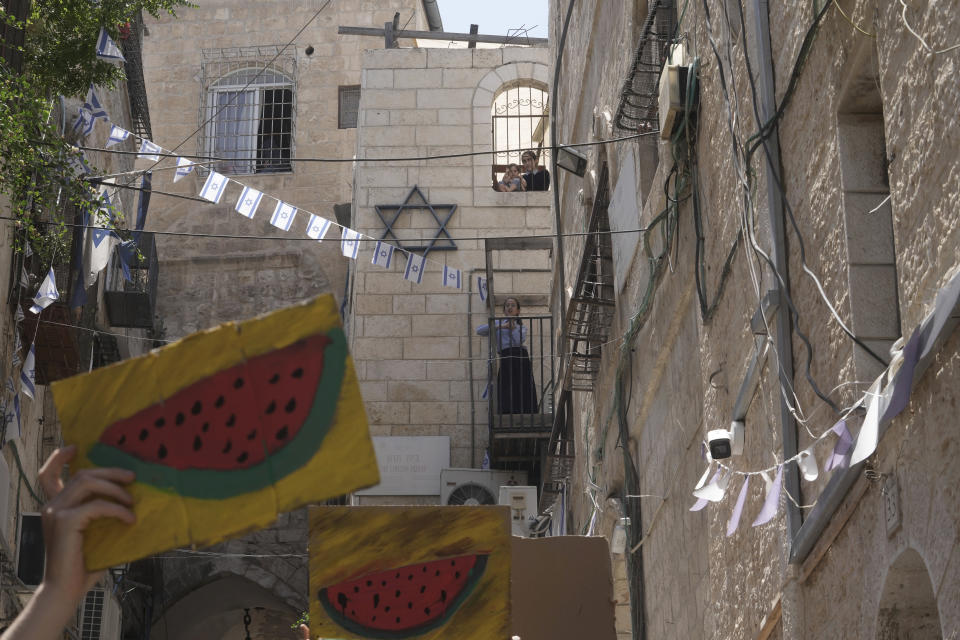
(521, 120)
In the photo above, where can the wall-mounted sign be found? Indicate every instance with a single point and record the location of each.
(409, 465)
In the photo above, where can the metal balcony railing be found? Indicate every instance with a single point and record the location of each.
(132, 302)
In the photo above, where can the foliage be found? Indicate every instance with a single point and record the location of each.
(303, 619)
(37, 164)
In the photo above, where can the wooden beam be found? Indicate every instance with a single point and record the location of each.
(442, 35)
(474, 30)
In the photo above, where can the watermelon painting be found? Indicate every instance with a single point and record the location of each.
(409, 572)
(225, 429)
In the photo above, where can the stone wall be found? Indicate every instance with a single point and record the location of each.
(683, 373)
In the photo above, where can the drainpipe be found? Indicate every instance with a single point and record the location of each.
(783, 340)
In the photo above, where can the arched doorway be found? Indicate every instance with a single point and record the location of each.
(908, 607)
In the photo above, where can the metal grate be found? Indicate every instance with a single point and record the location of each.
(248, 109)
(593, 304)
(639, 97)
(349, 107)
(131, 39)
(92, 615)
(521, 120)
(11, 37)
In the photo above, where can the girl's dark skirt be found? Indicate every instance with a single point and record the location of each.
(517, 392)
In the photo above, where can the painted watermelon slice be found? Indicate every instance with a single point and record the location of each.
(403, 602)
(238, 430)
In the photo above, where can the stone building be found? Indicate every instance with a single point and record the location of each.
(850, 191)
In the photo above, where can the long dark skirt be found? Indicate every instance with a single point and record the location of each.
(516, 390)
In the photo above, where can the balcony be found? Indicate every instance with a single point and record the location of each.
(132, 303)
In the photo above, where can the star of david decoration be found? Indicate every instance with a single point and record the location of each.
(390, 213)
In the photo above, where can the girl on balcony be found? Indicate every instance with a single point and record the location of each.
(516, 391)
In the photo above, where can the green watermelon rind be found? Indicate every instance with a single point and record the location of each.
(213, 484)
(473, 579)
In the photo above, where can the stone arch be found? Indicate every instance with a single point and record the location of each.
(908, 606)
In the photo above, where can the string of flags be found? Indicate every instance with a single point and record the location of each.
(884, 400)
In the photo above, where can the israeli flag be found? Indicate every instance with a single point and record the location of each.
(94, 106)
(19, 315)
(214, 187)
(317, 227)
(107, 49)
(350, 243)
(149, 151)
(84, 123)
(283, 215)
(28, 375)
(383, 254)
(24, 278)
(47, 294)
(117, 135)
(451, 277)
(98, 243)
(482, 288)
(184, 167)
(249, 201)
(27, 250)
(414, 269)
(12, 418)
(17, 347)
(79, 165)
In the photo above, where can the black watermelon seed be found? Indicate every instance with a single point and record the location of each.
(271, 407)
(228, 446)
(219, 402)
(159, 423)
(369, 583)
(453, 563)
(426, 610)
(197, 443)
(397, 575)
(409, 605)
(238, 383)
(342, 600)
(410, 577)
(122, 439)
(387, 608)
(231, 420)
(456, 574)
(437, 572)
(196, 408)
(383, 583)
(180, 418)
(376, 601)
(423, 588)
(353, 612)
(398, 619)
(396, 594)
(356, 589)
(443, 595)
(275, 378)
(252, 435)
(291, 406)
(282, 434)
(162, 452)
(144, 434)
(374, 618)
(297, 373)
(424, 569)
(205, 427)
(242, 457)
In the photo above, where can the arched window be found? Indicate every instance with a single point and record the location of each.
(249, 122)
(520, 118)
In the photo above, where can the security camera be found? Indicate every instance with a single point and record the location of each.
(724, 443)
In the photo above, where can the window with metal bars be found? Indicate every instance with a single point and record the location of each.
(248, 110)
(92, 622)
(349, 106)
(521, 121)
(11, 36)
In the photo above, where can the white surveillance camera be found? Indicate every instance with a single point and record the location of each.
(724, 443)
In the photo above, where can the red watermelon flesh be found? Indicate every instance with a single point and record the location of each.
(405, 601)
(231, 420)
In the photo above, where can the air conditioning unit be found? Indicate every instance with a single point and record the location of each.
(673, 90)
(523, 508)
(473, 486)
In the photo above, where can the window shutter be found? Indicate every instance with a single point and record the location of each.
(349, 106)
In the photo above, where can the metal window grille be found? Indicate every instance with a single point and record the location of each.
(521, 121)
(349, 106)
(248, 109)
(92, 622)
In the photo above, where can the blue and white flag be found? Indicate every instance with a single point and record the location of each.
(18, 316)
(17, 348)
(150, 151)
(283, 215)
(79, 164)
(451, 277)
(47, 294)
(317, 227)
(214, 187)
(249, 201)
(11, 417)
(95, 107)
(350, 243)
(98, 242)
(184, 167)
(84, 122)
(117, 135)
(414, 269)
(383, 254)
(485, 464)
(24, 278)
(27, 250)
(482, 288)
(107, 49)
(28, 375)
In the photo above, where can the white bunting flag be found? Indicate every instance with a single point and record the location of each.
(350, 243)
(117, 135)
(317, 228)
(451, 277)
(149, 151)
(27, 250)
(414, 269)
(99, 242)
(214, 187)
(383, 254)
(107, 49)
(28, 375)
(249, 201)
(47, 294)
(24, 278)
(184, 167)
(482, 288)
(807, 462)
(283, 215)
